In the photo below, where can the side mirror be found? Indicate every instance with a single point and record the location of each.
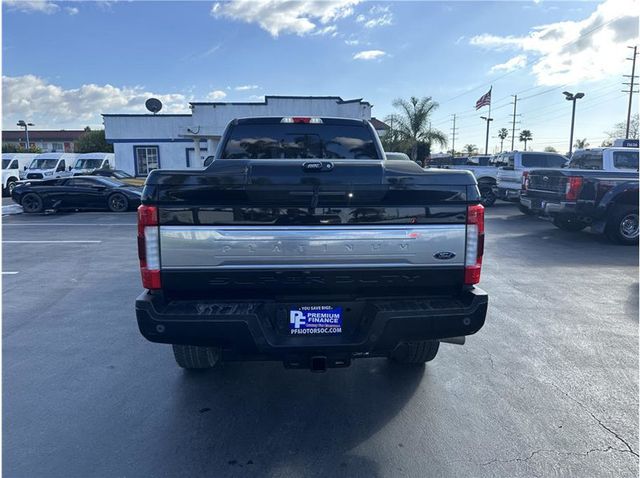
(70, 168)
(24, 167)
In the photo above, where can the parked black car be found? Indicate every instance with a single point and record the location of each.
(78, 192)
(577, 198)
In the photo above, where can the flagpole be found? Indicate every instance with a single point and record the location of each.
(488, 120)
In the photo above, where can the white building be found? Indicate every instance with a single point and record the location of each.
(143, 142)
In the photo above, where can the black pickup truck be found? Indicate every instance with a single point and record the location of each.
(301, 243)
(605, 196)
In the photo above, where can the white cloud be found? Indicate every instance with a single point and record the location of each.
(575, 51)
(216, 95)
(512, 64)
(51, 106)
(32, 6)
(246, 87)
(72, 10)
(352, 42)
(285, 16)
(369, 55)
(378, 16)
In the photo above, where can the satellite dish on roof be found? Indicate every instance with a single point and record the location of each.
(153, 104)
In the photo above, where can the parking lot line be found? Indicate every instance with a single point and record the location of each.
(65, 224)
(51, 242)
(9, 273)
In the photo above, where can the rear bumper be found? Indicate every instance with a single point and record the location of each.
(507, 194)
(260, 329)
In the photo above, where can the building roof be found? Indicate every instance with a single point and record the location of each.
(337, 99)
(42, 135)
(379, 125)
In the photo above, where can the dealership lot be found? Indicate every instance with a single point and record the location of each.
(548, 386)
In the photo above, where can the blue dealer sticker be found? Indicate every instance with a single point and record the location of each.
(315, 319)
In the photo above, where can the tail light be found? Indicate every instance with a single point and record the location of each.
(475, 244)
(574, 185)
(300, 119)
(149, 247)
(525, 180)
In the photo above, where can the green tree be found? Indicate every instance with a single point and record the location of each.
(413, 126)
(16, 148)
(550, 149)
(580, 143)
(525, 135)
(470, 149)
(93, 142)
(502, 134)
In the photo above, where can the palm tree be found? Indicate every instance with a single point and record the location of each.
(414, 126)
(525, 135)
(502, 134)
(470, 149)
(581, 143)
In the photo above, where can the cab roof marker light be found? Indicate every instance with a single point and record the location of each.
(286, 120)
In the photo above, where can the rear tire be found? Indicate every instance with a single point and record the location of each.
(622, 225)
(487, 197)
(569, 223)
(32, 203)
(117, 202)
(414, 353)
(193, 357)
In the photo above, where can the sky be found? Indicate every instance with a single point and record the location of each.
(65, 63)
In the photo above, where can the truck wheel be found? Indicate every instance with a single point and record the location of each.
(622, 226)
(525, 210)
(192, 357)
(31, 203)
(415, 352)
(11, 185)
(569, 223)
(118, 203)
(487, 198)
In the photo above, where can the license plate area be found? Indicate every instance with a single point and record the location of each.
(320, 319)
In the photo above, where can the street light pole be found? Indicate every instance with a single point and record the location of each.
(573, 98)
(486, 143)
(25, 125)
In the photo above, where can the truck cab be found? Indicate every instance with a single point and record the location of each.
(89, 162)
(12, 164)
(49, 166)
(509, 177)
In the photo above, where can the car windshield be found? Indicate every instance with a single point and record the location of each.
(542, 160)
(5, 163)
(586, 160)
(120, 174)
(88, 163)
(114, 183)
(625, 159)
(43, 163)
(300, 141)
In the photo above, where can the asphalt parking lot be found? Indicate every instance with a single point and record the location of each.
(548, 387)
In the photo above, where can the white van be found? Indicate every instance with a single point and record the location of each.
(12, 164)
(50, 166)
(89, 162)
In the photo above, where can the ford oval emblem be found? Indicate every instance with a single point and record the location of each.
(312, 166)
(444, 255)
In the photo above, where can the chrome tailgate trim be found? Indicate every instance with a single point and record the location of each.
(303, 247)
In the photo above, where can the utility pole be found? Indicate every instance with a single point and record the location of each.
(513, 126)
(633, 71)
(453, 137)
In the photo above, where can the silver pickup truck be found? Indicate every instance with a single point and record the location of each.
(509, 178)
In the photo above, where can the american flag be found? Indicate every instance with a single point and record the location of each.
(485, 100)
